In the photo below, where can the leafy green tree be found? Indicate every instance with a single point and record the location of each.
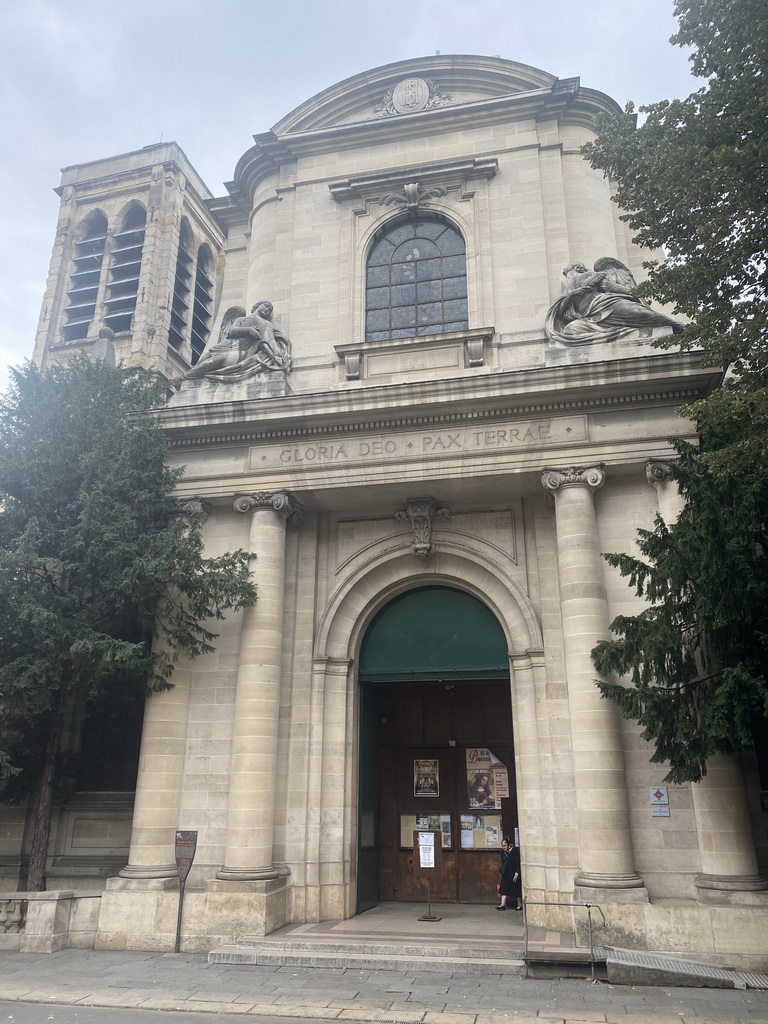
(102, 583)
(694, 178)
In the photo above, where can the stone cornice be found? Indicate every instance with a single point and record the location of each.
(669, 379)
(449, 173)
(564, 101)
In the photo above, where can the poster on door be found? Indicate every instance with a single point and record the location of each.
(487, 779)
(426, 777)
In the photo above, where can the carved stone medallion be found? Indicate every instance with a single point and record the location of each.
(410, 95)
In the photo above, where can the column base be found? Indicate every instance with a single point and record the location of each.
(609, 888)
(732, 883)
(149, 871)
(259, 874)
(609, 880)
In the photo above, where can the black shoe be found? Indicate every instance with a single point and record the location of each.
(502, 907)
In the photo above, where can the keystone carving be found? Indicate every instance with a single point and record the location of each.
(421, 512)
(414, 195)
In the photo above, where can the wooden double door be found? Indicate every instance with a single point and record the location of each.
(418, 745)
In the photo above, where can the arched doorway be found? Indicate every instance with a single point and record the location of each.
(436, 746)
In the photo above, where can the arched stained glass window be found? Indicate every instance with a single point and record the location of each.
(416, 280)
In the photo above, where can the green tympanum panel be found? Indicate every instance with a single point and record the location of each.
(434, 633)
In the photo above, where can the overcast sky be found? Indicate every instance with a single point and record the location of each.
(82, 79)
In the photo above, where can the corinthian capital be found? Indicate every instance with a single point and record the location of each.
(277, 501)
(573, 476)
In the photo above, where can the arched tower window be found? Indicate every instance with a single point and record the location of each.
(202, 305)
(416, 279)
(84, 280)
(182, 286)
(124, 270)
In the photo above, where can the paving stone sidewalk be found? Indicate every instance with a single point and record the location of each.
(188, 982)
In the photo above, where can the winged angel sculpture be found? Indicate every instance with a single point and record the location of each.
(599, 305)
(248, 345)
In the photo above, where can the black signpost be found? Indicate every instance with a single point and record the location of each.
(186, 844)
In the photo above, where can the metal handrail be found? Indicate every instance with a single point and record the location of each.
(550, 903)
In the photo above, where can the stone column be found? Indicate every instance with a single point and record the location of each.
(158, 786)
(602, 813)
(728, 860)
(668, 497)
(726, 843)
(161, 762)
(253, 770)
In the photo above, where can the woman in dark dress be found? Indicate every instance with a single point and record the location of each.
(509, 869)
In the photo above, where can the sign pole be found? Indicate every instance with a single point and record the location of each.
(427, 861)
(186, 844)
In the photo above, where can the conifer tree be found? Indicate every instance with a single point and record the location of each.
(694, 178)
(102, 584)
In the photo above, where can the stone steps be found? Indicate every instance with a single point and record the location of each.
(372, 956)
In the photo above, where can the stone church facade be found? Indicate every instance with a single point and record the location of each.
(426, 431)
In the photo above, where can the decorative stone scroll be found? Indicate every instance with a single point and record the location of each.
(421, 512)
(592, 476)
(657, 472)
(279, 501)
(192, 508)
(600, 305)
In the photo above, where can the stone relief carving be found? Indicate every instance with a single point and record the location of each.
(421, 512)
(413, 195)
(248, 345)
(409, 96)
(598, 305)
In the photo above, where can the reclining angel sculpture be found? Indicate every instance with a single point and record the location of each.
(599, 305)
(248, 345)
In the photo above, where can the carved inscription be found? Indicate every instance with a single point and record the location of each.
(419, 445)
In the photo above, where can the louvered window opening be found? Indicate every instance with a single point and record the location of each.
(124, 271)
(202, 305)
(416, 280)
(84, 281)
(182, 286)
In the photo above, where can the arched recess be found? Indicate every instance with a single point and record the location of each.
(84, 281)
(125, 268)
(334, 827)
(466, 218)
(416, 278)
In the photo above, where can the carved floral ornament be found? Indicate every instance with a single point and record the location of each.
(277, 501)
(421, 512)
(580, 476)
